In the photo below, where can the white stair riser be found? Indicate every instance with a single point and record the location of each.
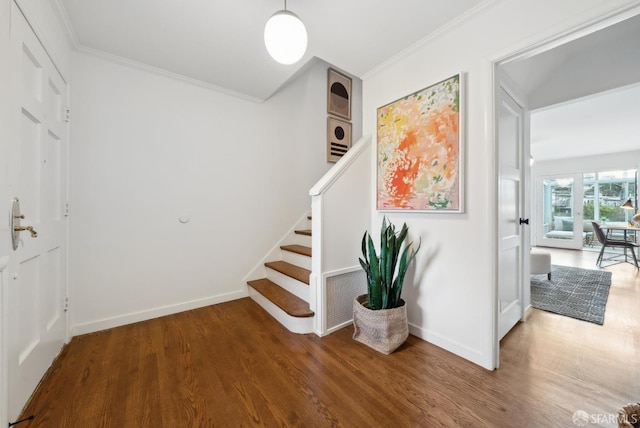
(293, 324)
(296, 259)
(300, 240)
(293, 286)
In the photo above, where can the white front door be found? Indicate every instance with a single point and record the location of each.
(510, 260)
(37, 327)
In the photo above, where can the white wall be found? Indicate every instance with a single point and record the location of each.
(452, 300)
(148, 149)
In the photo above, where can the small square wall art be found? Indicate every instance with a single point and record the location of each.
(420, 150)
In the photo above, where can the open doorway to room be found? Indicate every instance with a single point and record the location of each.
(581, 100)
(585, 149)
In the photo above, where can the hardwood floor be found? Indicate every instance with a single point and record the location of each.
(232, 365)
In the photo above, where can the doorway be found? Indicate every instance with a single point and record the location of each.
(562, 87)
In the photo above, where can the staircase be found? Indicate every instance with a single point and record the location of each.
(284, 292)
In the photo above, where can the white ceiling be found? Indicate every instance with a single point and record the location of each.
(220, 43)
(599, 124)
(585, 94)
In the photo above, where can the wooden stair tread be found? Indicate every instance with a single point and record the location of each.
(293, 271)
(298, 249)
(291, 304)
(306, 232)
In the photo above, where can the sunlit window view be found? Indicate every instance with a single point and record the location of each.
(605, 193)
(607, 198)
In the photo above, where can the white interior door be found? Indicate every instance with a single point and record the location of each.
(37, 177)
(510, 276)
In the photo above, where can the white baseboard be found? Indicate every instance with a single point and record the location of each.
(460, 350)
(131, 318)
(338, 327)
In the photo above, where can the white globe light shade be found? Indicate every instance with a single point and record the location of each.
(285, 37)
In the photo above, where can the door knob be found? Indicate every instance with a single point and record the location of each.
(34, 234)
(15, 227)
(524, 221)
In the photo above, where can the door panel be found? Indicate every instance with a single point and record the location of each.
(29, 164)
(510, 136)
(52, 182)
(52, 294)
(37, 322)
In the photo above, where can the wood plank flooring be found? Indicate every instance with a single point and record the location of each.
(232, 365)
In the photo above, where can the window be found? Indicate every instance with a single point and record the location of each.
(605, 192)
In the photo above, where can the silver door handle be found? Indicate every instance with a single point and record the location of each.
(34, 234)
(15, 227)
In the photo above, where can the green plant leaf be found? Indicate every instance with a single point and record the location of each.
(375, 294)
(385, 276)
(364, 245)
(405, 261)
(383, 258)
(389, 266)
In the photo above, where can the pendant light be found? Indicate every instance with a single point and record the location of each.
(285, 36)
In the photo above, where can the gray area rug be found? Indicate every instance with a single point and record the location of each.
(572, 292)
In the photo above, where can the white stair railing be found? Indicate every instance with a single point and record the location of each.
(341, 212)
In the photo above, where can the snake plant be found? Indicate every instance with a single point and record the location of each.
(384, 281)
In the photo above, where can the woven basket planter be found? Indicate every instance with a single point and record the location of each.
(629, 416)
(383, 330)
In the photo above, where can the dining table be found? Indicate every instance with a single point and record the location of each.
(626, 228)
(629, 232)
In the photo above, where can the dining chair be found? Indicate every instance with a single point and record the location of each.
(613, 243)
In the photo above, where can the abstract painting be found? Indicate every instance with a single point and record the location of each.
(420, 151)
(338, 94)
(338, 138)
